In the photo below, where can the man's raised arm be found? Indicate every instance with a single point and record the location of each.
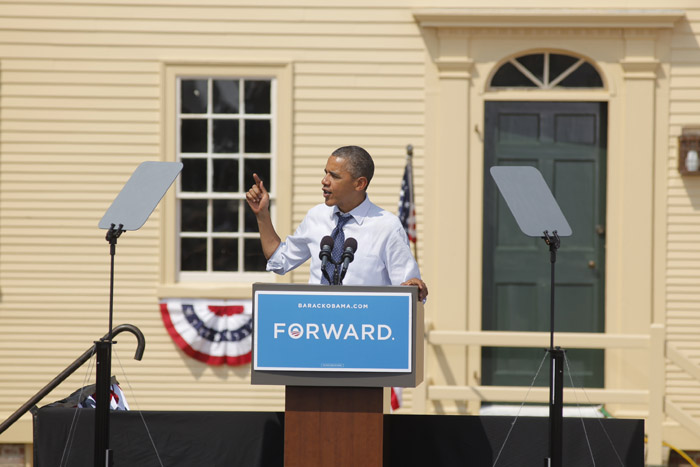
(259, 201)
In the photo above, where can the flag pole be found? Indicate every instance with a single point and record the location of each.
(409, 160)
(407, 216)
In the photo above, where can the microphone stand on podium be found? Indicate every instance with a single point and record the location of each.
(538, 215)
(129, 211)
(341, 267)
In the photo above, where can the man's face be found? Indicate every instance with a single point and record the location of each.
(339, 187)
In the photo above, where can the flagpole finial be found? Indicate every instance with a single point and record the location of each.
(409, 150)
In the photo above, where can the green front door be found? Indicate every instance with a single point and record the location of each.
(566, 142)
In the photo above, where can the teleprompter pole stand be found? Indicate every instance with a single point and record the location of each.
(556, 366)
(537, 213)
(129, 211)
(103, 351)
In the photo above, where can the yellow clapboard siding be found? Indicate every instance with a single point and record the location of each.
(352, 81)
(92, 104)
(211, 27)
(683, 82)
(683, 387)
(60, 78)
(41, 116)
(683, 41)
(321, 151)
(84, 240)
(357, 131)
(60, 149)
(80, 137)
(259, 40)
(686, 107)
(688, 57)
(404, 70)
(76, 169)
(685, 227)
(66, 126)
(124, 280)
(82, 90)
(691, 347)
(193, 12)
(683, 95)
(320, 118)
(683, 71)
(684, 237)
(86, 165)
(330, 142)
(53, 65)
(383, 95)
(38, 191)
(362, 106)
(227, 3)
(194, 54)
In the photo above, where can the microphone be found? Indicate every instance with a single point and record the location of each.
(326, 249)
(325, 255)
(349, 249)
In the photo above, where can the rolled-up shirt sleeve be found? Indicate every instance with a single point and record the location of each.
(292, 252)
(400, 262)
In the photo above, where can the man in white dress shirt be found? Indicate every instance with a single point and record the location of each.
(383, 255)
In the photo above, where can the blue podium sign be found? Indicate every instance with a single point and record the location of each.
(333, 331)
(343, 336)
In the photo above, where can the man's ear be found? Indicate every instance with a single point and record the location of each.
(361, 183)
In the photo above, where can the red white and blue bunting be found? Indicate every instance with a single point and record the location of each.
(211, 331)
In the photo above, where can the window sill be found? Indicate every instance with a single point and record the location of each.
(221, 290)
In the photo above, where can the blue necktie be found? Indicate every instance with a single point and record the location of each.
(338, 237)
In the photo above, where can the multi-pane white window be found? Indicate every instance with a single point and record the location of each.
(225, 134)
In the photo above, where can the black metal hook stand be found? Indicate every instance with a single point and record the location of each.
(556, 374)
(103, 350)
(30, 405)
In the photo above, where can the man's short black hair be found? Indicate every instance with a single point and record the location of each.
(360, 163)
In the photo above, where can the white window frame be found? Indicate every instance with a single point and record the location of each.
(209, 195)
(224, 284)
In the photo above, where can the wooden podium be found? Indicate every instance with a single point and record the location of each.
(333, 426)
(335, 348)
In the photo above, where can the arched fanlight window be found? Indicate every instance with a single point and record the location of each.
(546, 71)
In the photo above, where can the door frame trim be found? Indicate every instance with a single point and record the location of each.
(633, 53)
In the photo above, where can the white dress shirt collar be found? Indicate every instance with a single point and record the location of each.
(359, 213)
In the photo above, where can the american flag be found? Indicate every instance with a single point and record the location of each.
(407, 207)
(407, 216)
(117, 401)
(396, 398)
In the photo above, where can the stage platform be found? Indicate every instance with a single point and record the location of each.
(250, 439)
